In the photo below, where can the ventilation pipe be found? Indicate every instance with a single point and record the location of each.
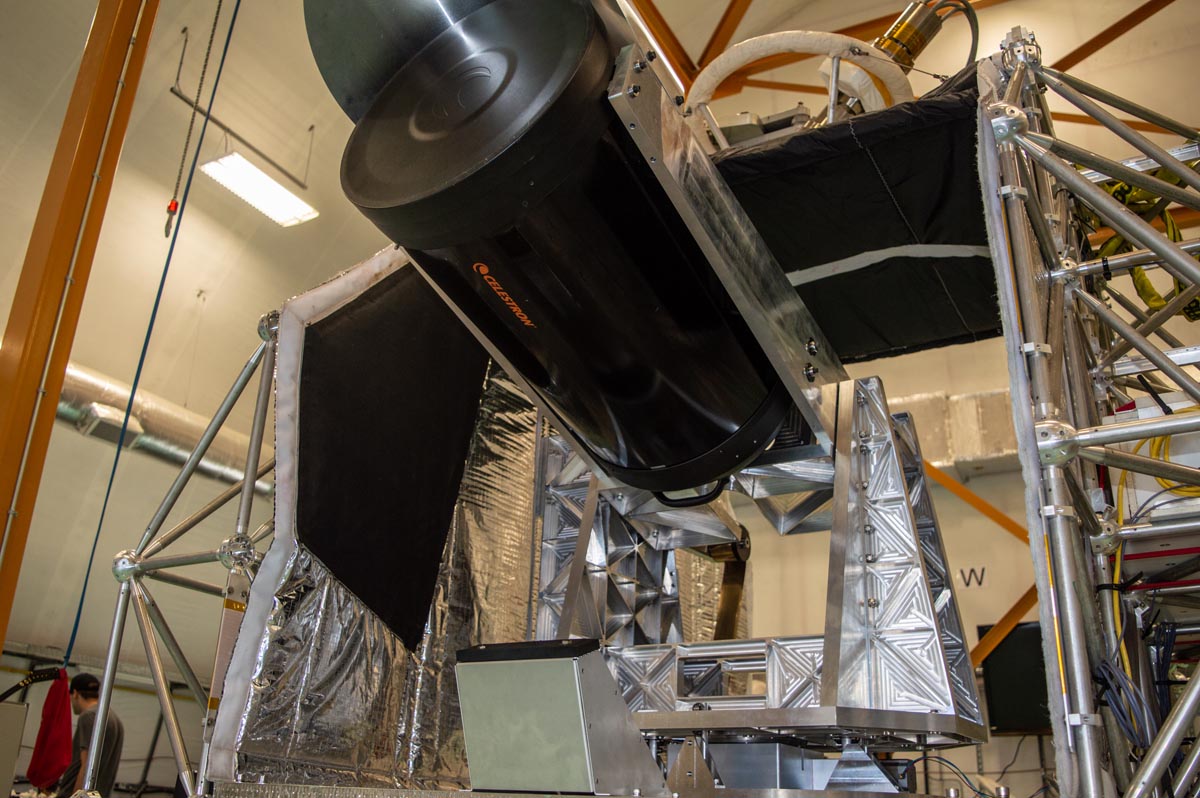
(95, 403)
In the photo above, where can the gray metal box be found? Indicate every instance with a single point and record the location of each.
(554, 724)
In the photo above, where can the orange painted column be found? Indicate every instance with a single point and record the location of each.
(995, 636)
(45, 312)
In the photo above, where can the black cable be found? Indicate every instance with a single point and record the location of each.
(39, 675)
(692, 501)
(957, 770)
(963, 7)
(1012, 761)
(173, 205)
(1148, 388)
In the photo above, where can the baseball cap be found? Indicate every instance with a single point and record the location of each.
(86, 684)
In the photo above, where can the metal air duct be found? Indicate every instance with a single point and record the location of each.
(95, 403)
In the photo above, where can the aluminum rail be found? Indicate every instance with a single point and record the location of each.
(1116, 170)
(96, 744)
(193, 520)
(1187, 771)
(173, 647)
(1118, 264)
(1125, 431)
(163, 689)
(206, 439)
(1141, 317)
(1152, 323)
(1110, 121)
(1166, 744)
(1154, 467)
(1152, 353)
(186, 581)
(268, 328)
(1124, 221)
(1122, 104)
(1169, 529)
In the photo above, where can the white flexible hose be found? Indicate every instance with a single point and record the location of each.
(873, 61)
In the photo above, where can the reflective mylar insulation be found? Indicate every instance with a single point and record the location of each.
(336, 698)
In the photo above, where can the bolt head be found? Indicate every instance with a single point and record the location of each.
(872, 602)
(810, 372)
(634, 90)
(811, 346)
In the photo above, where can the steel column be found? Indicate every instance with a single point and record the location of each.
(162, 689)
(1154, 467)
(173, 647)
(261, 406)
(49, 295)
(106, 686)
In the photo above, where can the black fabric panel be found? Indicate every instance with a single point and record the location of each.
(903, 176)
(389, 391)
(905, 305)
(529, 649)
(819, 196)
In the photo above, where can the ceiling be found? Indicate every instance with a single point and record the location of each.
(232, 264)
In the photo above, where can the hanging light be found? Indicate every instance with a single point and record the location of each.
(259, 189)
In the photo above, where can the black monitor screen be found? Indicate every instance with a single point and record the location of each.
(1014, 683)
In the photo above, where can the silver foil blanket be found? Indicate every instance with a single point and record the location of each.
(336, 698)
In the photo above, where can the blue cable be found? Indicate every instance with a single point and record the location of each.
(137, 376)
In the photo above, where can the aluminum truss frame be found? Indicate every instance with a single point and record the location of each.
(892, 670)
(238, 553)
(1069, 361)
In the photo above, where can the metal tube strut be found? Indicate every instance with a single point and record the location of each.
(162, 689)
(202, 445)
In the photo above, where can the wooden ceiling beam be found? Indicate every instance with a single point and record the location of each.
(722, 35)
(673, 49)
(1111, 33)
(1184, 218)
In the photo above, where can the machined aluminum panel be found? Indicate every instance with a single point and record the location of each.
(643, 585)
(883, 639)
(940, 579)
(782, 325)
(668, 678)
(630, 592)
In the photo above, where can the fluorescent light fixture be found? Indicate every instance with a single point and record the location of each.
(259, 189)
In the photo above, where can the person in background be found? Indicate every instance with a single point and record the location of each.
(85, 695)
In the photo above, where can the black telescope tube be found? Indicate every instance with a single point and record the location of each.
(495, 158)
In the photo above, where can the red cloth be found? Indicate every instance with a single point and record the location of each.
(52, 751)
